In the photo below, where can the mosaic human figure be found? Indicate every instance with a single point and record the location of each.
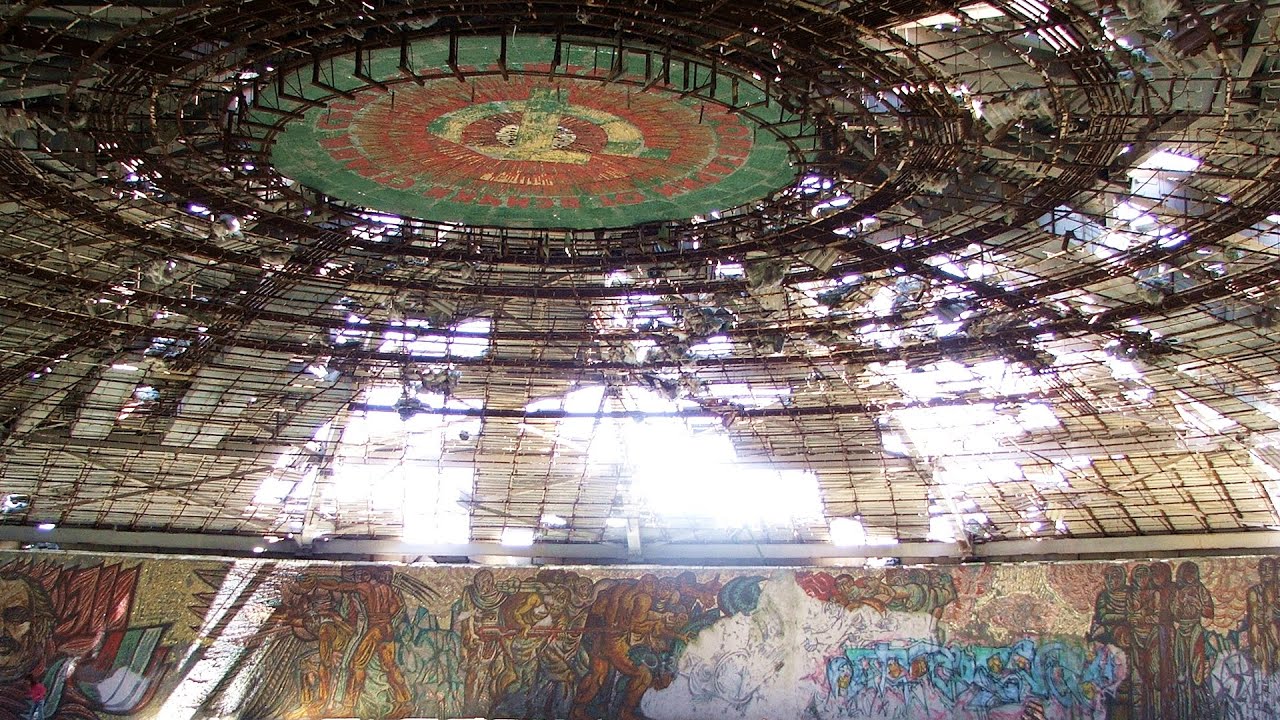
(524, 619)
(633, 629)
(1142, 618)
(69, 626)
(1110, 623)
(26, 625)
(1263, 619)
(563, 659)
(1166, 669)
(475, 619)
(1151, 623)
(317, 615)
(380, 604)
(1192, 605)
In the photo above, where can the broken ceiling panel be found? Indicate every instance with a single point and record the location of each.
(972, 271)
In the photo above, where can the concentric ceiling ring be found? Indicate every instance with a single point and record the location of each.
(487, 138)
(890, 119)
(313, 181)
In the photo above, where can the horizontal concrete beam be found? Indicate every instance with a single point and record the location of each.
(677, 554)
(1189, 544)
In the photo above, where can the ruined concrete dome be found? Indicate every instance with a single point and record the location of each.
(615, 277)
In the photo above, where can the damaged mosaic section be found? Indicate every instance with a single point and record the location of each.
(257, 639)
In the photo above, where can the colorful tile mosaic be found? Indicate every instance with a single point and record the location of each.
(182, 638)
(532, 150)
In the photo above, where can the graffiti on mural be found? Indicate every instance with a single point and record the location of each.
(921, 678)
(897, 590)
(897, 676)
(1110, 641)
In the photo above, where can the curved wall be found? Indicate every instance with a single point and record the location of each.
(205, 638)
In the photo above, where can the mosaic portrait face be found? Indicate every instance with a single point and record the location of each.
(19, 626)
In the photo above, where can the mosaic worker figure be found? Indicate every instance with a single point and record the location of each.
(380, 604)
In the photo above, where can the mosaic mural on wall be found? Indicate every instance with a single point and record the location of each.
(173, 638)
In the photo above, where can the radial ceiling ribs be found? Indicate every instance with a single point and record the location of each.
(974, 271)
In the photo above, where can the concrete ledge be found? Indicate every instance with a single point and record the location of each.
(1258, 542)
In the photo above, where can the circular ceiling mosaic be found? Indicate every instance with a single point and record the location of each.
(533, 151)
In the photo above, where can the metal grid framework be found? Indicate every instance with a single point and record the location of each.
(1023, 286)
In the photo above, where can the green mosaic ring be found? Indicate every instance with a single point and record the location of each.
(533, 149)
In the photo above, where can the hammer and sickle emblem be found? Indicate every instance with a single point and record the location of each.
(540, 135)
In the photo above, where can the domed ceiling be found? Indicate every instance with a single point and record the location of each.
(508, 144)
(639, 281)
